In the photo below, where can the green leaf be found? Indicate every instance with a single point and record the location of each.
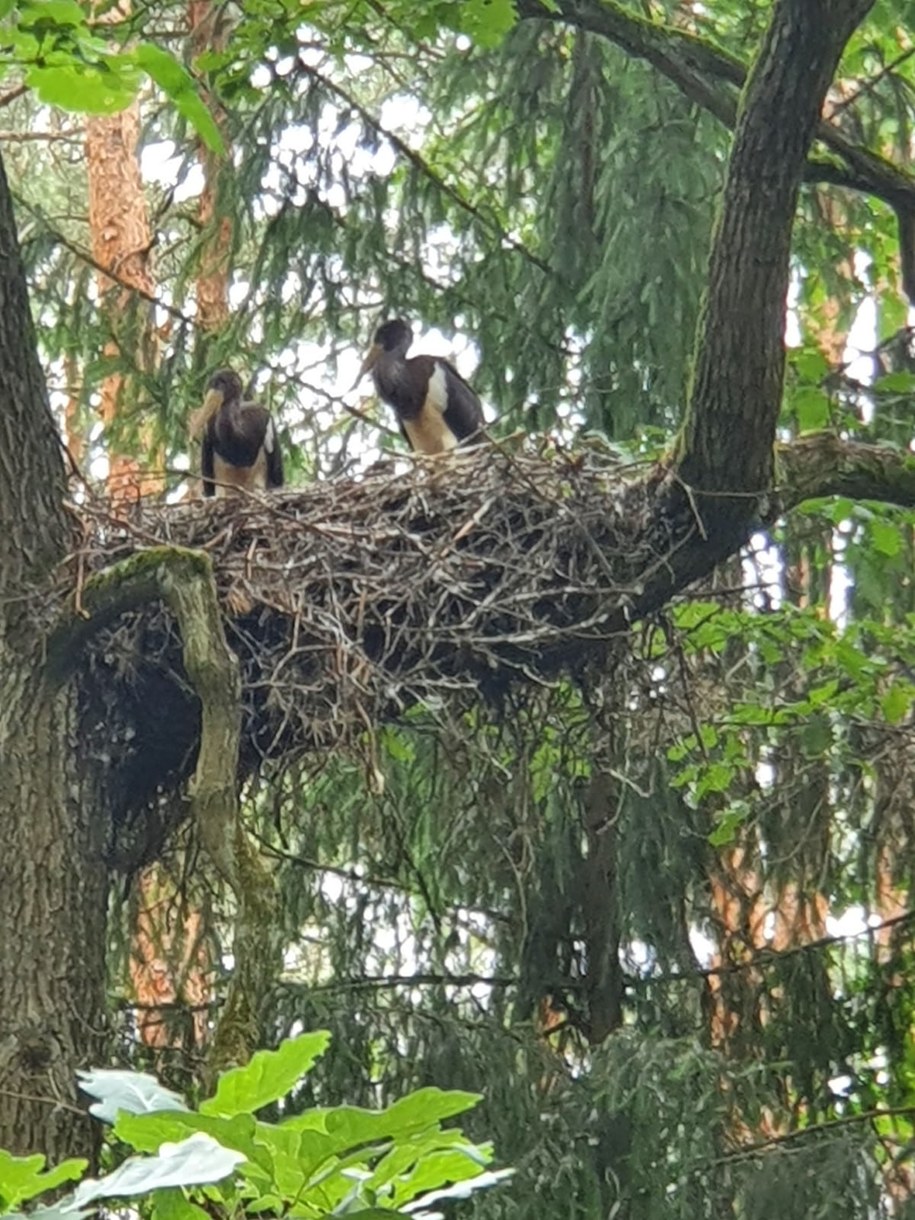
(148, 1132)
(22, 1178)
(295, 1155)
(434, 1170)
(885, 537)
(269, 1076)
(810, 365)
(486, 21)
(896, 383)
(727, 826)
(355, 1125)
(811, 407)
(51, 12)
(716, 778)
(896, 702)
(91, 89)
(170, 1204)
(177, 83)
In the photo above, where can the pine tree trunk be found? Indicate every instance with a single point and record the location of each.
(209, 31)
(121, 243)
(52, 818)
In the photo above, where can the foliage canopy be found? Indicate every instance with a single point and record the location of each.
(658, 913)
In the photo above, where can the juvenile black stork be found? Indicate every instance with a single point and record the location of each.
(241, 450)
(435, 407)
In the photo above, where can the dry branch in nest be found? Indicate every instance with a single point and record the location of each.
(349, 601)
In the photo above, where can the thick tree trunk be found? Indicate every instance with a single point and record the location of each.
(53, 887)
(52, 817)
(736, 393)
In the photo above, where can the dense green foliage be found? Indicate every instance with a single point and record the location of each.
(705, 853)
(324, 1162)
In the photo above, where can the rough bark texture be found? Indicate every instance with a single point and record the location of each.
(52, 814)
(53, 891)
(121, 242)
(739, 364)
(209, 32)
(34, 534)
(822, 464)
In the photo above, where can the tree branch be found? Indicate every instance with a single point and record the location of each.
(821, 464)
(729, 429)
(709, 76)
(423, 167)
(183, 578)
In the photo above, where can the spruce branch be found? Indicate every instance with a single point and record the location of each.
(711, 77)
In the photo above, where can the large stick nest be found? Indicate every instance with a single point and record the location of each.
(349, 601)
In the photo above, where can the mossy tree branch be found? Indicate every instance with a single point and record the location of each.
(710, 76)
(183, 578)
(821, 464)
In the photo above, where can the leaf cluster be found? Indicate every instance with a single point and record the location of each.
(319, 1163)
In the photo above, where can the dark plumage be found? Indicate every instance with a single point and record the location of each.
(240, 449)
(435, 407)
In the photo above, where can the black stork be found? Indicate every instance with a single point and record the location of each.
(241, 450)
(435, 407)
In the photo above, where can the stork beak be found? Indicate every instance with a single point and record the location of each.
(371, 359)
(202, 416)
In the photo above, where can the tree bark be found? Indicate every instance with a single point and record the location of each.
(729, 430)
(52, 809)
(122, 243)
(209, 32)
(53, 891)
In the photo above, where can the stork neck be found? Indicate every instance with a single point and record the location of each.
(230, 413)
(391, 372)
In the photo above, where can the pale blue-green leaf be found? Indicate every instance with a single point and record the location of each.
(194, 1162)
(132, 1092)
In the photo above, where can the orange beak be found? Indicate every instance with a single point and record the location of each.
(371, 359)
(202, 416)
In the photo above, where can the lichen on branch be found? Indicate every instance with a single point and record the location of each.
(183, 579)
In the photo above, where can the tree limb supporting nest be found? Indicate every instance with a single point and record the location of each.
(183, 578)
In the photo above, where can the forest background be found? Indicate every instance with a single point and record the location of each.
(653, 905)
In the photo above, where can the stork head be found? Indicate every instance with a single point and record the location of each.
(224, 386)
(394, 336)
